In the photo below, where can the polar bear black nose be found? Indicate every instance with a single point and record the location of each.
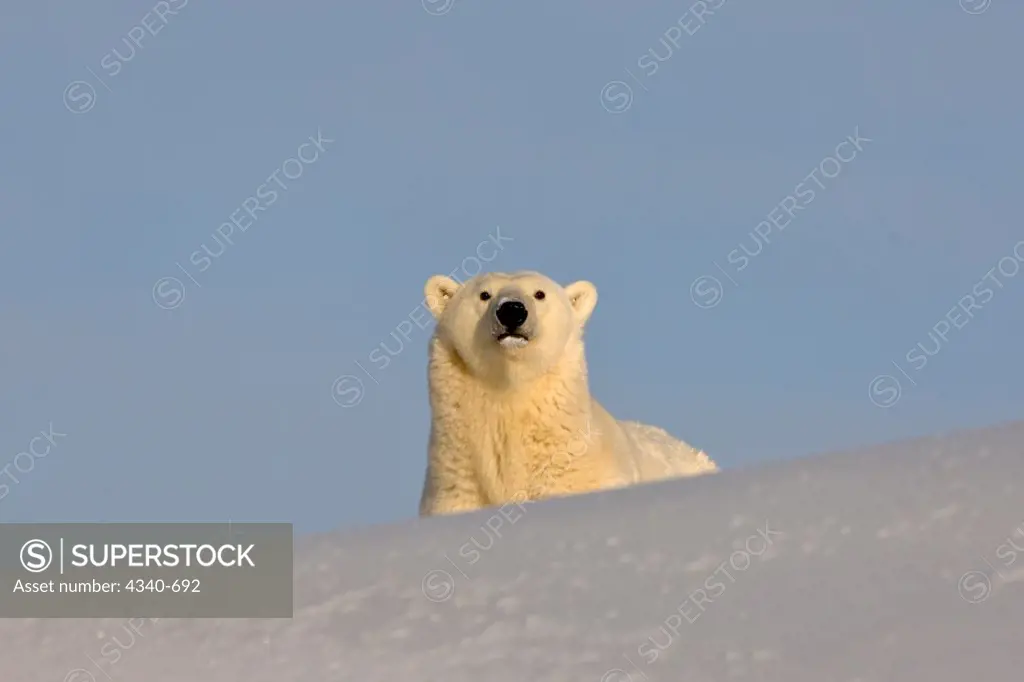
(511, 314)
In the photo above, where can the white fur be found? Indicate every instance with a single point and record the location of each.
(516, 422)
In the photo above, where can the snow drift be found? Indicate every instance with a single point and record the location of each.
(902, 562)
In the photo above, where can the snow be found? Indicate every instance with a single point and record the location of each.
(898, 562)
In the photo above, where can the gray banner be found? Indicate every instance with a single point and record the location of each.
(153, 570)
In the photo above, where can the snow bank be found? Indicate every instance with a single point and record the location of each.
(903, 562)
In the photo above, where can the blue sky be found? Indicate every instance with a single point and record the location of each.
(213, 397)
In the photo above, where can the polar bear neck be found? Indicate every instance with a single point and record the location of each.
(506, 435)
(562, 392)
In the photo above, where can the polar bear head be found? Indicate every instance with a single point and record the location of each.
(509, 326)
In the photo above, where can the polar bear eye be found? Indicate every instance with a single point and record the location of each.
(539, 295)
(484, 295)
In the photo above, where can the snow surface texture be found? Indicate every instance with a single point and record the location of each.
(899, 563)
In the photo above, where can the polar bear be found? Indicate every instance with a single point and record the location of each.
(512, 418)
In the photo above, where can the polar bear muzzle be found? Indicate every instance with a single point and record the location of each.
(512, 326)
(511, 314)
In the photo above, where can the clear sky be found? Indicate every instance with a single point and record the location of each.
(133, 131)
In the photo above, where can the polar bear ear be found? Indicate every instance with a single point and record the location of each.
(438, 292)
(583, 297)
